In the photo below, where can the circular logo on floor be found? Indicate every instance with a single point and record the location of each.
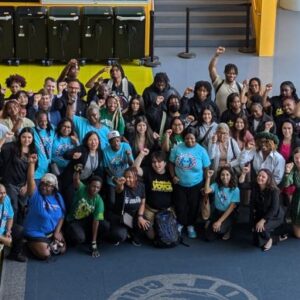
(181, 286)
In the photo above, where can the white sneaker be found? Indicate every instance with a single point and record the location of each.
(179, 228)
(191, 232)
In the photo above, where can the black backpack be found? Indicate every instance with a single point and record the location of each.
(166, 232)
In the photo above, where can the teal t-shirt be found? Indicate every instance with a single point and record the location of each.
(60, 146)
(83, 205)
(43, 143)
(224, 196)
(189, 163)
(6, 213)
(116, 161)
(83, 126)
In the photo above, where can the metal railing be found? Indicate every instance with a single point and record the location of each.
(246, 49)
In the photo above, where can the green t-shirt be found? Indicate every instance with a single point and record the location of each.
(175, 139)
(83, 205)
(106, 119)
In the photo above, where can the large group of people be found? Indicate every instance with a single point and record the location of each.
(86, 166)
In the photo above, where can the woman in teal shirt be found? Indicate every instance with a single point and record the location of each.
(187, 162)
(226, 198)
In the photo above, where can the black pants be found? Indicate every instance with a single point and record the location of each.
(187, 203)
(210, 235)
(17, 239)
(80, 231)
(18, 202)
(110, 198)
(261, 238)
(119, 232)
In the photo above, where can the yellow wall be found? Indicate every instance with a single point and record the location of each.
(264, 18)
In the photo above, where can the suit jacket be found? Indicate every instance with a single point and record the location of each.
(266, 204)
(61, 105)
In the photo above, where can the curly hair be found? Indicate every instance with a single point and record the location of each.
(233, 181)
(15, 78)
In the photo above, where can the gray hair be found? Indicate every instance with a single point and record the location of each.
(223, 126)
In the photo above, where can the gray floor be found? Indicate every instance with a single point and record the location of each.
(283, 66)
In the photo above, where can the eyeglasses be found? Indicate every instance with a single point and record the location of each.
(222, 133)
(47, 184)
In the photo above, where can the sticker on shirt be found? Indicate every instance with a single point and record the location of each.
(185, 161)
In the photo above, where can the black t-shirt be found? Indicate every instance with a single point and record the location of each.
(276, 103)
(132, 198)
(159, 189)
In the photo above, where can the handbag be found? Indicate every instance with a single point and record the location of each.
(56, 247)
(205, 208)
(126, 218)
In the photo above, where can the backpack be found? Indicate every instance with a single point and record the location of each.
(166, 232)
(221, 83)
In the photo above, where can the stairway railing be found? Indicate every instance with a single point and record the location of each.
(246, 49)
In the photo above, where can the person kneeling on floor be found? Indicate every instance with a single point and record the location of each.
(226, 198)
(45, 214)
(10, 235)
(127, 218)
(87, 212)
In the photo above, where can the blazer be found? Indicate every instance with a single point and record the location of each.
(266, 204)
(68, 172)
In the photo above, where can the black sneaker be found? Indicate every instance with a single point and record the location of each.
(20, 257)
(136, 242)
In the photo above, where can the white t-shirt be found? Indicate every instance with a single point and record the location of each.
(224, 91)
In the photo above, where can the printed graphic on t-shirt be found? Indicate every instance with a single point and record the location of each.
(50, 206)
(186, 161)
(47, 141)
(161, 186)
(61, 149)
(117, 165)
(107, 123)
(130, 200)
(84, 209)
(278, 112)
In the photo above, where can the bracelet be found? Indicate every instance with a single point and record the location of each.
(139, 215)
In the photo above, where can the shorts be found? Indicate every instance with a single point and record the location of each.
(150, 213)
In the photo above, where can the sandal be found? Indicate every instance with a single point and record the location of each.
(226, 236)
